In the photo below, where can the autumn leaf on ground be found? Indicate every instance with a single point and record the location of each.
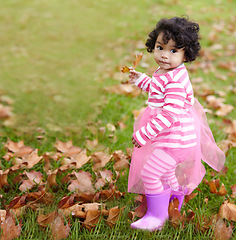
(9, 229)
(121, 161)
(33, 179)
(83, 183)
(3, 178)
(59, 229)
(3, 214)
(125, 69)
(100, 159)
(45, 220)
(221, 231)
(124, 89)
(106, 177)
(228, 211)
(141, 209)
(113, 217)
(92, 218)
(233, 188)
(174, 214)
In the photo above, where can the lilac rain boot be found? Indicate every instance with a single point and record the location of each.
(179, 195)
(157, 212)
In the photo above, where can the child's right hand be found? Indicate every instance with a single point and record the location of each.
(134, 75)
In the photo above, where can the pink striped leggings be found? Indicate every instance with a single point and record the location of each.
(158, 171)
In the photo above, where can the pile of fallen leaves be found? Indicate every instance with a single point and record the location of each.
(87, 193)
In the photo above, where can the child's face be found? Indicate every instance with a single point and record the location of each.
(167, 56)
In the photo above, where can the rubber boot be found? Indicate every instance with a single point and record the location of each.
(180, 196)
(157, 212)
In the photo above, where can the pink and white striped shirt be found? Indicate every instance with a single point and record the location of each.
(172, 93)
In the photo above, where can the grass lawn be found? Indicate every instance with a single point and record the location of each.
(57, 57)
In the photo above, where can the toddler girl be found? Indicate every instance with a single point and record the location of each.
(171, 136)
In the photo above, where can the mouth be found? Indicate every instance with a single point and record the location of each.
(165, 63)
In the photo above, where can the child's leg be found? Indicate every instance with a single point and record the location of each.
(160, 163)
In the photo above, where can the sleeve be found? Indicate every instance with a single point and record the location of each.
(174, 98)
(143, 82)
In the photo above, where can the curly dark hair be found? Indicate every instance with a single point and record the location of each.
(182, 31)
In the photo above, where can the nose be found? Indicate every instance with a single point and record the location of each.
(164, 55)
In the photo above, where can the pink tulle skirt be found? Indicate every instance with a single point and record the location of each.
(190, 170)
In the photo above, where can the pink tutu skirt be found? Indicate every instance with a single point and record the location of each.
(190, 170)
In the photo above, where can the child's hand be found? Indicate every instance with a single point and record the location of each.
(134, 75)
(136, 144)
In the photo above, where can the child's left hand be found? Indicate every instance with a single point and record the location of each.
(136, 144)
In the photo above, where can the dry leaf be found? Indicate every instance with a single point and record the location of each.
(113, 217)
(92, 219)
(9, 228)
(3, 214)
(45, 220)
(59, 230)
(121, 161)
(137, 59)
(83, 182)
(125, 69)
(3, 178)
(100, 159)
(233, 188)
(228, 211)
(222, 191)
(221, 231)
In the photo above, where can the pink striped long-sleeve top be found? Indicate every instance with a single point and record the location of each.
(173, 93)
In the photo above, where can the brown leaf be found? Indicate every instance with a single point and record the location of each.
(100, 159)
(3, 178)
(106, 177)
(45, 220)
(222, 191)
(83, 182)
(113, 217)
(142, 208)
(213, 187)
(233, 188)
(3, 214)
(137, 59)
(228, 211)
(121, 161)
(91, 219)
(17, 202)
(224, 110)
(59, 230)
(125, 69)
(81, 158)
(63, 146)
(52, 177)
(221, 231)
(9, 229)
(190, 197)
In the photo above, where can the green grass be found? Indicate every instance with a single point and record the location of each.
(56, 57)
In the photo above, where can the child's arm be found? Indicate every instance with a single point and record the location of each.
(174, 98)
(140, 79)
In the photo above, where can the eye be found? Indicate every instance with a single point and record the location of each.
(159, 48)
(173, 51)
